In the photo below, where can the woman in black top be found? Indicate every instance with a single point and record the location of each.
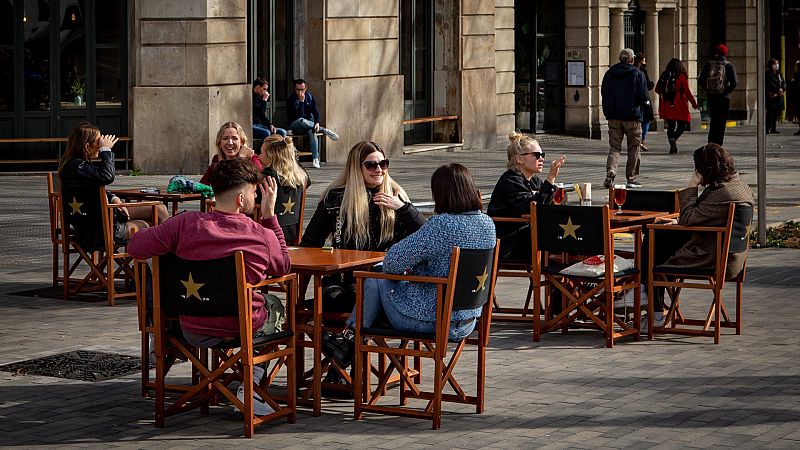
(776, 87)
(279, 158)
(516, 189)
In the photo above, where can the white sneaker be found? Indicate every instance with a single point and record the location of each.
(330, 133)
(260, 407)
(315, 163)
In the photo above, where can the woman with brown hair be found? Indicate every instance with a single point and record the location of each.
(411, 306)
(715, 171)
(776, 88)
(673, 89)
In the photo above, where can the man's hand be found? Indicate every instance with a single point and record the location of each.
(387, 201)
(265, 96)
(272, 129)
(555, 166)
(316, 128)
(269, 192)
(108, 140)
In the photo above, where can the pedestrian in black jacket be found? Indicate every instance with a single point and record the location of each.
(718, 94)
(775, 90)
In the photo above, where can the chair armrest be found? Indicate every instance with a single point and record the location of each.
(273, 280)
(629, 229)
(398, 277)
(662, 226)
(133, 204)
(512, 219)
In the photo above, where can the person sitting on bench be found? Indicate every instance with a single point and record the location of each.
(301, 109)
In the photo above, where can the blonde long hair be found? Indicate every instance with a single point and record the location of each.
(354, 211)
(279, 153)
(517, 147)
(242, 140)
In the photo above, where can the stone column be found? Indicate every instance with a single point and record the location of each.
(504, 64)
(652, 45)
(189, 76)
(478, 75)
(616, 31)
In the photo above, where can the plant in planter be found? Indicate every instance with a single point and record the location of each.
(78, 89)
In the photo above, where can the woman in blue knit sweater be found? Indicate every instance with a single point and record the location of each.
(412, 306)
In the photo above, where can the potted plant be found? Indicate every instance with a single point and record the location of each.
(78, 89)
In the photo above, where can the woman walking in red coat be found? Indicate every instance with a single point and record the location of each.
(673, 89)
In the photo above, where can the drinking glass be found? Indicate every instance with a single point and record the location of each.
(620, 193)
(559, 195)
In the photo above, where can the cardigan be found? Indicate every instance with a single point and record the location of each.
(427, 253)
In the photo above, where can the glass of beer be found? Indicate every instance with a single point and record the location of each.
(620, 193)
(559, 195)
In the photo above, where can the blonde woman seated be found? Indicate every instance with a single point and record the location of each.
(279, 159)
(516, 189)
(231, 143)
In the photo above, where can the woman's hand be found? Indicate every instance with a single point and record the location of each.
(116, 201)
(108, 140)
(246, 152)
(555, 166)
(388, 201)
(696, 180)
(666, 220)
(269, 192)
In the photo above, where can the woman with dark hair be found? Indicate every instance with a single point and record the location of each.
(715, 170)
(231, 143)
(516, 189)
(76, 170)
(776, 87)
(411, 306)
(674, 94)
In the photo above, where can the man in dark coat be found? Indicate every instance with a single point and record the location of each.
(624, 91)
(719, 101)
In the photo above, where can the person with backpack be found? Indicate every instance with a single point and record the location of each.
(719, 79)
(674, 92)
(775, 89)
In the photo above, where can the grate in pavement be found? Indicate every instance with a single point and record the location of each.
(83, 365)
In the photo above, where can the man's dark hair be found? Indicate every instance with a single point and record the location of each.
(233, 173)
(453, 190)
(259, 82)
(714, 164)
(299, 81)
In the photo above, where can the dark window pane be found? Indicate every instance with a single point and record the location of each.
(7, 80)
(109, 78)
(6, 23)
(37, 56)
(108, 25)
(72, 46)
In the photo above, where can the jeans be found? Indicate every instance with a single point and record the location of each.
(305, 126)
(262, 132)
(645, 129)
(617, 129)
(718, 107)
(376, 299)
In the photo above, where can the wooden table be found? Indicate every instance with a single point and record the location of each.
(162, 196)
(317, 262)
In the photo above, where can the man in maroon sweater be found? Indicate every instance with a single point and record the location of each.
(200, 236)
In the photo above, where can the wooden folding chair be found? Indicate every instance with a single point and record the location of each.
(577, 232)
(56, 223)
(648, 200)
(729, 239)
(514, 269)
(207, 288)
(88, 230)
(289, 208)
(470, 284)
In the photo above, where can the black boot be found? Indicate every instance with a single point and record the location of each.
(340, 346)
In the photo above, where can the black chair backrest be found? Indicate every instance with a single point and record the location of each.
(287, 204)
(198, 288)
(474, 278)
(641, 200)
(82, 212)
(577, 230)
(742, 218)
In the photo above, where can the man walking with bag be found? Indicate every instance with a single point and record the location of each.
(624, 91)
(719, 79)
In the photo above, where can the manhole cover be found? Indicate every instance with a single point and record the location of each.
(84, 365)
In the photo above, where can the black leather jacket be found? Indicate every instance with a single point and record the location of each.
(323, 223)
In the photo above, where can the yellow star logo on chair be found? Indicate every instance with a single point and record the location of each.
(287, 206)
(482, 280)
(76, 206)
(569, 228)
(192, 288)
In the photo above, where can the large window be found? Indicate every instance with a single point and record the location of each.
(61, 62)
(633, 20)
(416, 53)
(271, 57)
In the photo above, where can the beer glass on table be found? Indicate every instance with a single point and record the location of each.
(558, 197)
(620, 193)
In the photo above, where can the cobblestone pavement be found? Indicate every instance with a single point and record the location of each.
(565, 391)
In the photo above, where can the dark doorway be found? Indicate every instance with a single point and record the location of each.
(271, 54)
(416, 62)
(633, 21)
(539, 73)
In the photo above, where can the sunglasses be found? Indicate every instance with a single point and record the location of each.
(372, 165)
(537, 154)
